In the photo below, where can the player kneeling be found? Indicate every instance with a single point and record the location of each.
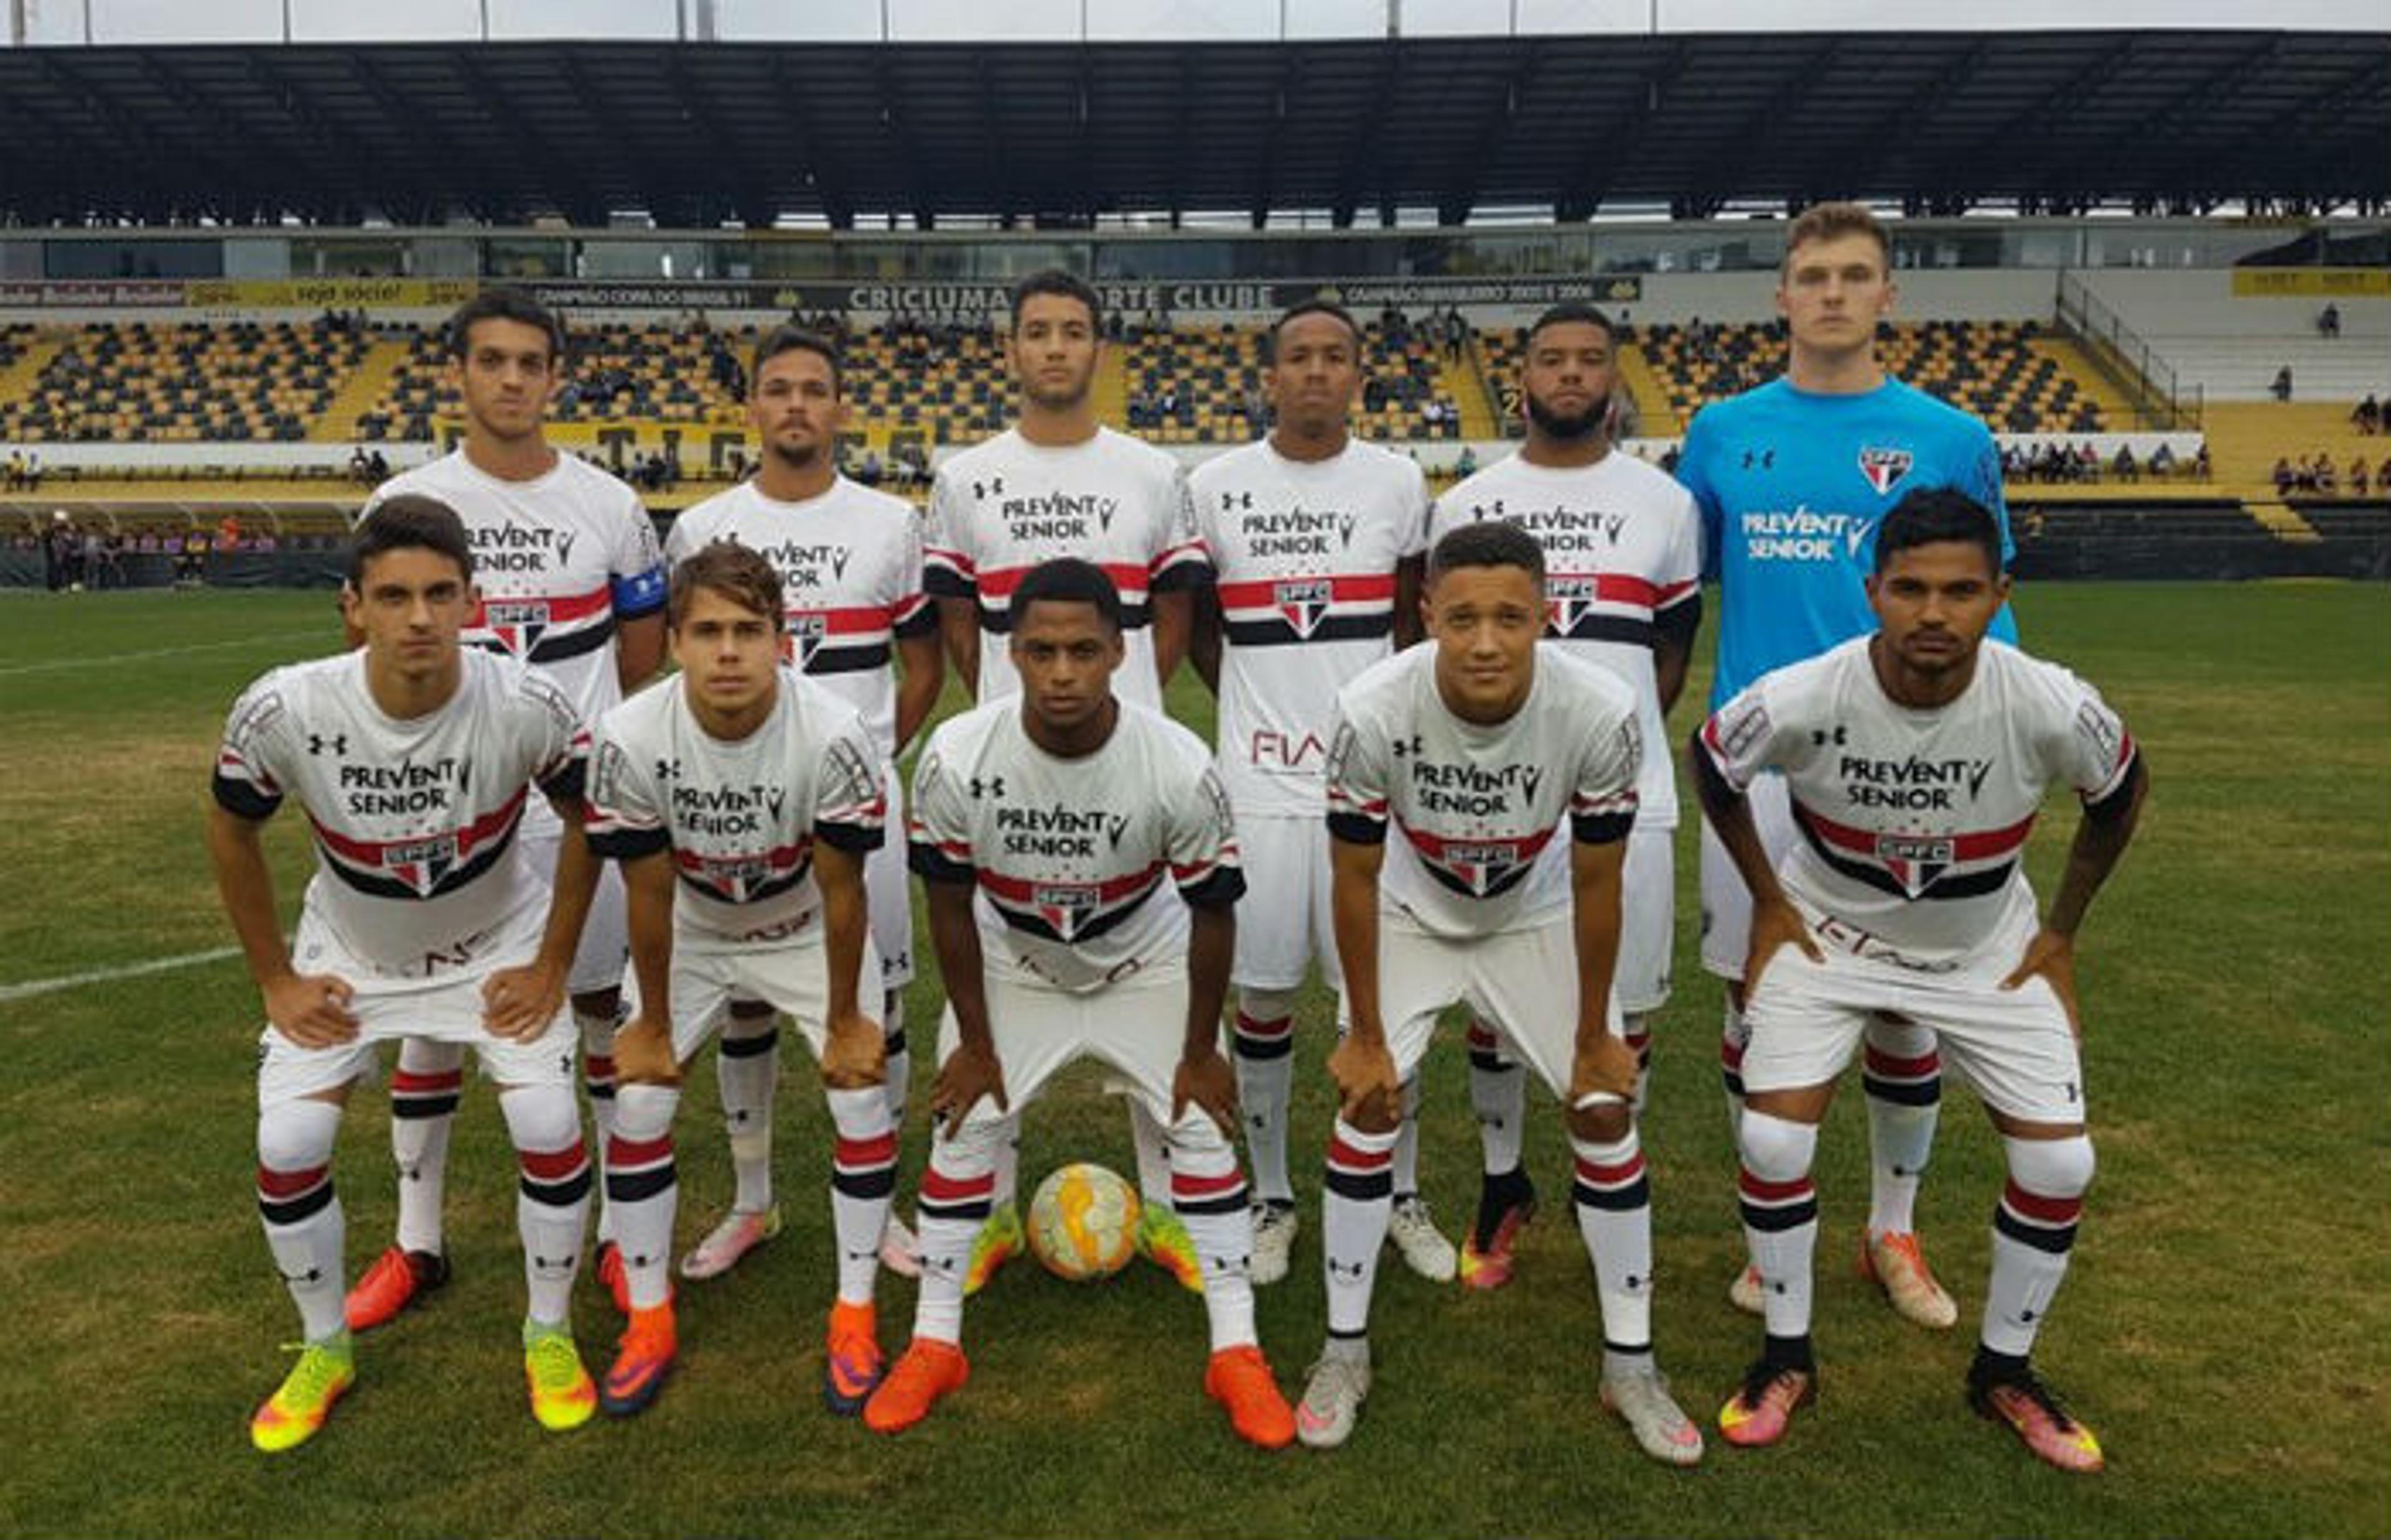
(1099, 844)
(742, 799)
(413, 759)
(1917, 759)
(1478, 751)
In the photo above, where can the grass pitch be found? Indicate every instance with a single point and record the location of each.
(2226, 1327)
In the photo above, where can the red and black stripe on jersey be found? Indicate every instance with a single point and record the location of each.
(420, 867)
(1477, 865)
(1280, 612)
(1068, 912)
(1607, 606)
(853, 639)
(527, 625)
(1966, 865)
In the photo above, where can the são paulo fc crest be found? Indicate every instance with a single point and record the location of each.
(806, 633)
(1884, 468)
(516, 623)
(1567, 600)
(1484, 868)
(1914, 860)
(420, 864)
(1304, 602)
(1065, 907)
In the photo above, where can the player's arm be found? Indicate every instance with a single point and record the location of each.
(1203, 637)
(1775, 921)
(922, 673)
(639, 649)
(1603, 1068)
(853, 1049)
(643, 1048)
(939, 854)
(1369, 1094)
(519, 1002)
(2106, 828)
(958, 625)
(1410, 578)
(1203, 1076)
(310, 1009)
(1673, 631)
(1173, 611)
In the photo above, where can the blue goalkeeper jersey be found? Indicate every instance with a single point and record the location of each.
(1791, 486)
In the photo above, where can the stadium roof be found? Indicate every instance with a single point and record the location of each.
(1059, 134)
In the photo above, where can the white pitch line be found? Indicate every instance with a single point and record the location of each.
(104, 660)
(31, 987)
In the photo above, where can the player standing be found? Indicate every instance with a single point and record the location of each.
(849, 563)
(743, 801)
(413, 759)
(1058, 484)
(1081, 871)
(571, 578)
(1622, 567)
(1316, 543)
(1792, 479)
(1915, 761)
(1478, 751)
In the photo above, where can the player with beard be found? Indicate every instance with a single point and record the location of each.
(1623, 558)
(1059, 484)
(571, 578)
(857, 622)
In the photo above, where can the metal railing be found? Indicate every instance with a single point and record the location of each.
(2165, 405)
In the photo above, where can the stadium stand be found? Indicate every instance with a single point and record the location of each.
(190, 383)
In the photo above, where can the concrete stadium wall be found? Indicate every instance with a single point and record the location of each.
(2231, 344)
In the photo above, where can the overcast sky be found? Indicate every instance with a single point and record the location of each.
(918, 20)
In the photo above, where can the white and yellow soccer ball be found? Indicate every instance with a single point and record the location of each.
(1083, 1222)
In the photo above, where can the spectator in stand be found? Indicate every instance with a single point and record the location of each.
(2199, 462)
(2367, 417)
(58, 551)
(2329, 320)
(2285, 477)
(1456, 335)
(2321, 466)
(2123, 467)
(2281, 389)
(2358, 476)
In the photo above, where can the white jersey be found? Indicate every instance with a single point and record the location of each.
(1622, 546)
(559, 560)
(1913, 821)
(1480, 809)
(415, 821)
(1002, 507)
(1304, 555)
(740, 819)
(1085, 866)
(850, 568)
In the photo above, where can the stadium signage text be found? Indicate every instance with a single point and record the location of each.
(972, 301)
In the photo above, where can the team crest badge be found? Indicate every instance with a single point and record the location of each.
(1065, 907)
(1304, 602)
(806, 634)
(1482, 868)
(1916, 861)
(737, 877)
(421, 864)
(516, 623)
(1884, 468)
(1567, 601)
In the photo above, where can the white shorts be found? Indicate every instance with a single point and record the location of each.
(442, 1002)
(605, 947)
(1522, 983)
(888, 893)
(1806, 1020)
(792, 976)
(1283, 922)
(1137, 1025)
(1726, 903)
(1647, 922)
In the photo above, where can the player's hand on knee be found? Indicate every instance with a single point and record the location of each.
(312, 1009)
(520, 1003)
(643, 1053)
(967, 1075)
(2051, 956)
(1369, 1093)
(1209, 1082)
(855, 1053)
(1602, 1074)
(1776, 924)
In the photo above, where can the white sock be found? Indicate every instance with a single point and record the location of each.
(423, 1093)
(1498, 1094)
(956, 1194)
(304, 1228)
(1263, 1045)
(1615, 1218)
(552, 1203)
(597, 1079)
(1780, 1216)
(2034, 1231)
(1209, 1196)
(747, 1071)
(1356, 1202)
(642, 1188)
(862, 1177)
(1902, 1077)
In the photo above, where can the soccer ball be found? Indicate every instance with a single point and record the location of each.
(1083, 1223)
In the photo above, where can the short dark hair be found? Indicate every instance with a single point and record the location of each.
(1573, 312)
(1055, 280)
(738, 572)
(1487, 543)
(1069, 580)
(1296, 311)
(1931, 514)
(792, 339)
(504, 304)
(409, 521)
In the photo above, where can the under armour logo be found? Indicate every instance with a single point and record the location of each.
(1344, 1269)
(859, 1256)
(1767, 459)
(1407, 746)
(992, 787)
(1822, 737)
(317, 743)
(983, 490)
(313, 1275)
(552, 1266)
(667, 769)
